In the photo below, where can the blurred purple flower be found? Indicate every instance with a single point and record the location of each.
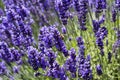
(32, 54)
(71, 63)
(3, 68)
(82, 9)
(99, 69)
(84, 68)
(15, 69)
(81, 46)
(64, 30)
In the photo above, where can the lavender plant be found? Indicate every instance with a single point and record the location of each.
(59, 39)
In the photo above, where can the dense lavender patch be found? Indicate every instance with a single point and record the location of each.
(59, 39)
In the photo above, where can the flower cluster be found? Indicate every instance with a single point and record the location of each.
(84, 69)
(81, 46)
(16, 25)
(82, 10)
(63, 7)
(100, 5)
(50, 37)
(100, 35)
(57, 72)
(21, 45)
(35, 59)
(71, 63)
(3, 68)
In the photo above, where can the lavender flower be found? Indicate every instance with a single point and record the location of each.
(81, 8)
(99, 70)
(114, 14)
(100, 35)
(1, 12)
(17, 26)
(46, 5)
(96, 26)
(100, 44)
(3, 68)
(23, 12)
(5, 52)
(54, 40)
(51, 57)
(99, 6)
(84, 69)
(57, 72)
(59, 43)
(81, 46)
(64, 30)
(71, 62)
(54, 72)
(10, 15)
(62, 13)
(117, 3)
(15, 54)
(41, 61)
(46, 38)
(104, 4)
(16, 69)
(17, 37)
(32, 53)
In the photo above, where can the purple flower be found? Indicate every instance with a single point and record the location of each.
(3, 68)
(16, 69)
(17, 26)
(49, 37)
(96, 26)
(16, 56)
(84, 68)
(32, 54)
(99, 69)
(5, 52)
(46, 38)
(114, 14)
(59, 43)
(81, 8)
(117, 3)
(17, 37)
(104, 4)
(62, 14)
(99, 6)
(115, 46)
(64, 30)
(102, 33)
(71, 63)
(22, 11)
(81, 46)
(57, 72)
(1, 12)
(51, 57)
(41, 61)
(54, 71)
(10, 15)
